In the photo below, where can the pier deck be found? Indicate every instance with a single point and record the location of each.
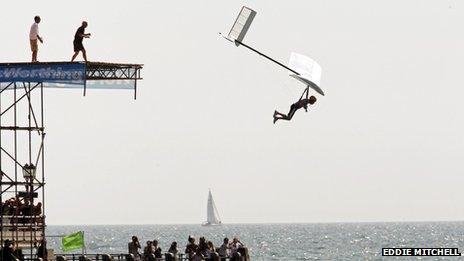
(70, 74)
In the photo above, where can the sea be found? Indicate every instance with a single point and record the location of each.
(315, 241)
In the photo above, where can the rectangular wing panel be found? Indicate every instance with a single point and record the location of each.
(242, 24)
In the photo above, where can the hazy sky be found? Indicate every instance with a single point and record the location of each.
(385, 143)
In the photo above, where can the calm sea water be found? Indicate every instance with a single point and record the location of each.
(331, 241)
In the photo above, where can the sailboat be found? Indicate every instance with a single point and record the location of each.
(212, 214)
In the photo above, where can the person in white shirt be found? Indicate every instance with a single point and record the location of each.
(33, 37)
(234, 246)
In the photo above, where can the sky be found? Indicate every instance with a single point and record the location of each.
(384, 144)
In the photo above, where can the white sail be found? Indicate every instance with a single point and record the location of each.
(211, 212)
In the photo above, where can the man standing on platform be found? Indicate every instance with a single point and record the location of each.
(33, 37)
(78, 38)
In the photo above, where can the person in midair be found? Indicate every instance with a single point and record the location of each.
(78, 38)
(301, 103)
(33, 37)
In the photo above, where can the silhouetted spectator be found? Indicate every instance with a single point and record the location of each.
(7, 252)
(235, 245)
(42, 250)
(134, 247)
(210, 250)
(26, 211)
(173, 249)
(157, 249)
(38, 209)
(148, 250)
(191, 248)
(224, 249)
(202, 247)
(244, 253)
(9, 208)
(36, 212)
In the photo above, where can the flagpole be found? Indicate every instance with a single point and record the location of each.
(83, 247)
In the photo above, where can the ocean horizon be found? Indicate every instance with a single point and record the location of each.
(261, 223)
(277, 241)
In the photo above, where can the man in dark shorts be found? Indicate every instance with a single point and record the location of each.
(302, 103)
(78, 37)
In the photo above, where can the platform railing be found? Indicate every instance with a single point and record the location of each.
(18, 222)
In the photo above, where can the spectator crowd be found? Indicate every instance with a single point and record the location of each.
(204, 250)
(21, 209)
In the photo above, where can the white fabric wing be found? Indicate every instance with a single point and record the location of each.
(309, 70)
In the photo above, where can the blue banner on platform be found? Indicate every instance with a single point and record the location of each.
(67, 73)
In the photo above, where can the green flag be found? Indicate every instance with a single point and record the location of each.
(73, 241)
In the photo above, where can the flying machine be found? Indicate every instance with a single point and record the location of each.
(300, 67)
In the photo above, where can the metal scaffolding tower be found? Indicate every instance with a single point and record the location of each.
(22, 136)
